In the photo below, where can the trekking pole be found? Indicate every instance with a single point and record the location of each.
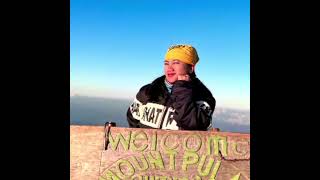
(107, 127)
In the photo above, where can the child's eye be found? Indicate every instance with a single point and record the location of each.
(176, 62)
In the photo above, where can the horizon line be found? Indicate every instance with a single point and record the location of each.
(129, 99)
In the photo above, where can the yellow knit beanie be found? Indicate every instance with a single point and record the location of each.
(184, 53)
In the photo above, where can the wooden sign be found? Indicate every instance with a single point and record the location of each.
(150, 154)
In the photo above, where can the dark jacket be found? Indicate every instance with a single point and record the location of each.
(189, 106)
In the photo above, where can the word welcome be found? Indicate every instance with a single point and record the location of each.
(139, 141)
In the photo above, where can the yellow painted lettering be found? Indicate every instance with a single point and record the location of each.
(140, 135)
(119, 138)
(236, 150)
(208, 167)
(197, 141)
(109, 175)
(155, 161)
(236, 177)
(137, 177)
(215, 170)
(172, 162)
(125, 169)
(137, 164)
(184, 178)
(165, 140)
(160, 178)
(217, 140)
(189, 158)
(154, 142)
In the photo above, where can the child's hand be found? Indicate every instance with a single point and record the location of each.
(185, 77)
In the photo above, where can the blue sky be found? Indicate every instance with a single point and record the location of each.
(118, 46)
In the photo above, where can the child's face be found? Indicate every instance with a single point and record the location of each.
(174, 68)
